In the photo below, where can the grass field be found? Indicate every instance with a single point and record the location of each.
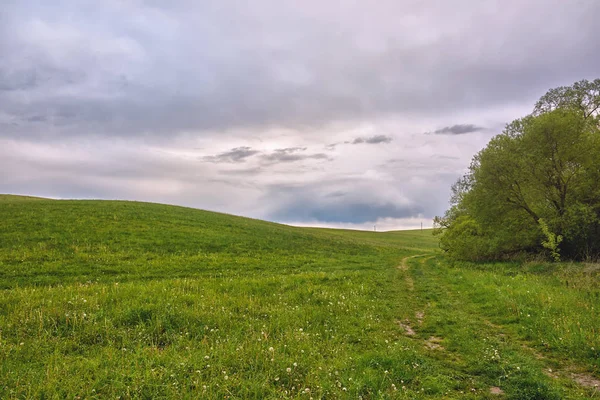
(109, 299)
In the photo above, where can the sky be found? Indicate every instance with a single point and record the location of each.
(347, 114)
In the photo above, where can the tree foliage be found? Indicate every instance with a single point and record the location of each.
(582, 97)
(535, 187)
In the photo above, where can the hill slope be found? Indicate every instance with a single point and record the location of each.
(50, 241)
(102, 299)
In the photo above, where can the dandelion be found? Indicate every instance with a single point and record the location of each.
(288, 369)
(271, 349)
(307, 390)
(206, 357)
(226, 377)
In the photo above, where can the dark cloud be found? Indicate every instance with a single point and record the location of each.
(458, 129)
(352, 201)
(236, 155)
(376, 139)
(373, 139)
(292, 154)
(356, 213)
(284, 155)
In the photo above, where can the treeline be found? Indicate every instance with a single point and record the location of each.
(535, 188)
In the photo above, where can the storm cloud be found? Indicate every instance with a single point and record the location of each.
(225, 106)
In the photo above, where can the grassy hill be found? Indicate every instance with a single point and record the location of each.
(51, 242)
(135, 300)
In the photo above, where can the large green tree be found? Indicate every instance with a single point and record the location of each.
(535, 187)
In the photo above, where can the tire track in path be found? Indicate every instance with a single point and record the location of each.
(419, 315)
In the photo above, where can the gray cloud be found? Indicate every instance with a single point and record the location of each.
(36, 118)
(336, 201)
(90, 69)
(292, 154)
(458, 129)
(236, 155)
(356, 213)
(373, 139)
(284, 155)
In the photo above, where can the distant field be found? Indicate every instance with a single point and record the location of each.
(112, 299)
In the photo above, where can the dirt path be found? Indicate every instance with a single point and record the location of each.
(434, 343)
(404, 267)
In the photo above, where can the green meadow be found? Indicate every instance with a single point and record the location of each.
(115, 299)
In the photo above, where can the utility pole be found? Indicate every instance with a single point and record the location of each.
(421, 225)
(374, 228)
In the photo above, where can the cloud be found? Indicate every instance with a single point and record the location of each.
(376, 139)
(352, 200)
(277, 156)
(236, 155)
(460, 129)
(357, 213)
(292, 154)
(113, 99)
(89, 69)
(242, 172)
(373, 139)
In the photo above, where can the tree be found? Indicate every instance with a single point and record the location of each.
(537, 180)
(582, 96)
